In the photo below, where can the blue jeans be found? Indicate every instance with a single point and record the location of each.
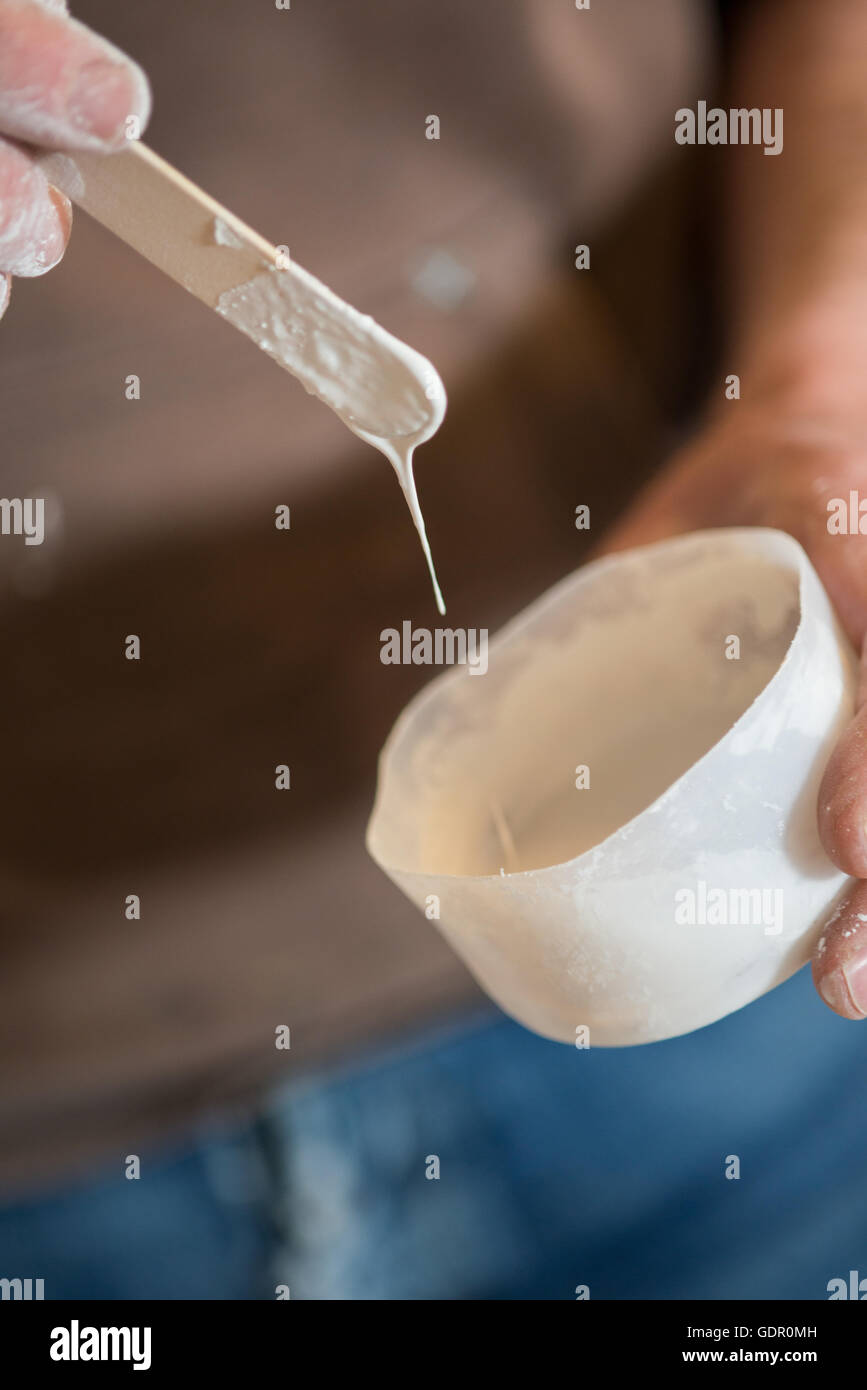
(557, 1168)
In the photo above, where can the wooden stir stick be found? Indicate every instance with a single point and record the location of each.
(164, 216)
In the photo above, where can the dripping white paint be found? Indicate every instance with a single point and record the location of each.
(387, 394)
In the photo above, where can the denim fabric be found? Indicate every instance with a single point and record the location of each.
(606, 1168)
(194, 1225)
(558, 1168)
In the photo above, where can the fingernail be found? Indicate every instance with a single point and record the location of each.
(50, 241)
(845, 989)
(41, 243)
(63, 208)
(49, 246)
(104, 94)
(855, 973)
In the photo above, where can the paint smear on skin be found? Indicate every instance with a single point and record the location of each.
(384, 391)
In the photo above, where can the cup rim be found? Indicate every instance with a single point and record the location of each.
(755, 538)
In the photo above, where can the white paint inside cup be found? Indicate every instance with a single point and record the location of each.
(625, 672)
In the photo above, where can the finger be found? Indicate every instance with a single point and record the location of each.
(861, 690)
(839, 563)
(644, 527)
(34, 218)
(843, 792)
(5, 293)
(660, 511)
(840, 959)
(61, 85)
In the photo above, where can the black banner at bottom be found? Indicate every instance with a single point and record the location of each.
(162, 1339)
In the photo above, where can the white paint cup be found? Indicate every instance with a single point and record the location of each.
(687, 878)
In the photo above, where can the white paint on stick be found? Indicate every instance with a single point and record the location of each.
(388, 394)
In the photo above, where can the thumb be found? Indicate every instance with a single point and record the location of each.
(842, 813)
(840, 959)
(61, 85)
